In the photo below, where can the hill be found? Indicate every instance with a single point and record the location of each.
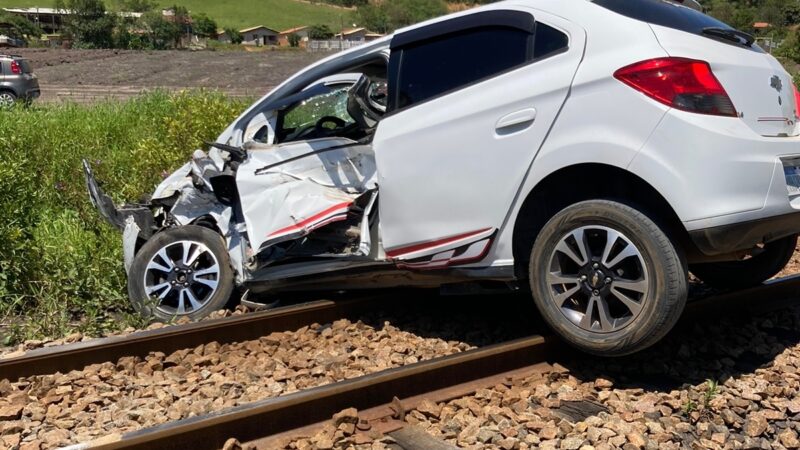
(277, 14)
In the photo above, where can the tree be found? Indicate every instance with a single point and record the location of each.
(294, 40)
(88, 23)
(20, 27)
(320, 32)
(204, 26)
(163, 33)
(234, 35)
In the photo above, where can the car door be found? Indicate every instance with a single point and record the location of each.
(297, 183)
(471, 100)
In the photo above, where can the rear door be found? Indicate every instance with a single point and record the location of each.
(471, 100)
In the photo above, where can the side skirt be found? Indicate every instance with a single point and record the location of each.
(364, 274)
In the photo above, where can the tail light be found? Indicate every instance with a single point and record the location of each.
(15, 68)
(796, 102)
(681, 83)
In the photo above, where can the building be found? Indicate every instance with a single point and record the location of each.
(353, 34)
(369, 37)
(301, 32)
(259, 35)
(50, 20)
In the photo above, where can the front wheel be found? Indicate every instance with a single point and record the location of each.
(760, 267)
(182, 272)
(606, 278)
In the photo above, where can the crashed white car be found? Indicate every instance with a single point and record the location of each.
(594, 151)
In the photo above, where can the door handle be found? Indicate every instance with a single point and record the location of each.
(516, 121)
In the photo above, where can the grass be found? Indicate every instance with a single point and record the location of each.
(276, 14)
(60, 264)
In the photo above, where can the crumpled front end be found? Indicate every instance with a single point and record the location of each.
(186, 197)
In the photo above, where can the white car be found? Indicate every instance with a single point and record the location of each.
(595, 151)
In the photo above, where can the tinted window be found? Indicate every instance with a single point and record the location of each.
(453, 61)
(666, 14)
(549, 41)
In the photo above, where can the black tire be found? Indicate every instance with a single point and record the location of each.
(748, 272)
(662, 278)
(213, 254)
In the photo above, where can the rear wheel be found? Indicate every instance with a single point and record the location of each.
(182, 272)
(762, 266)
(606, 278)
(7, 99)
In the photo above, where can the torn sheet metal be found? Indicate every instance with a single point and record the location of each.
(293, 199)
(129, 236)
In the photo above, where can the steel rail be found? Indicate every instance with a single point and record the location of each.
(258, 421)
(64, 358)
(271, 416)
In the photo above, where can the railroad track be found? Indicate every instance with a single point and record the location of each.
(381, 397)
(168, 339)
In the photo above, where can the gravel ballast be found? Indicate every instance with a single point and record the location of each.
(133, 393)
(720, 384)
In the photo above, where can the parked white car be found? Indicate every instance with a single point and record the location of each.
(595, 151)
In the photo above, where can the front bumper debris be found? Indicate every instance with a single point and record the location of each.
(142, 216)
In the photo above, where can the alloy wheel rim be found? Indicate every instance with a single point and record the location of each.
(598, 279)
(6, 100)
(182, 277)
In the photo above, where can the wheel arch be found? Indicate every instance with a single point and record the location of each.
(587, 181)
(4, 88)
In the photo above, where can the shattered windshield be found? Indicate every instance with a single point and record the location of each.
(304, 116)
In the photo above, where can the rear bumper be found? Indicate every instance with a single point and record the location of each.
(33, 94)
(735, 237)
(724, 182)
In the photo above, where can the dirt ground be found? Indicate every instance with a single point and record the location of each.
(85, 75)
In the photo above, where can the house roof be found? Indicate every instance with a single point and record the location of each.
(762, 25)
(58, 12)
(352, 30)
(247, 30)
(293, 30)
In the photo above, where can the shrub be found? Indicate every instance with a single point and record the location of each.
(60, 264)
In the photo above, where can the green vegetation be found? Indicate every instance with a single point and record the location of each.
(60, 264)
(387, 16)
(277, 14)
(20, 27)
(702, 405)
(321, 32)
(89, 26)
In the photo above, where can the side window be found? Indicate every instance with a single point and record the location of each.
(549, 41)
(446, 63)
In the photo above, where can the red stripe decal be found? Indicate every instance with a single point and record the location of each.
(417, 247)
(315, 217)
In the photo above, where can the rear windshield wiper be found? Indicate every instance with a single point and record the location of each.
(740, 37)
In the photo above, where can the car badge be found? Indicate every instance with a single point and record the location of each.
(776, 83)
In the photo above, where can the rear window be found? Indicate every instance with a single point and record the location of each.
(668, 14)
